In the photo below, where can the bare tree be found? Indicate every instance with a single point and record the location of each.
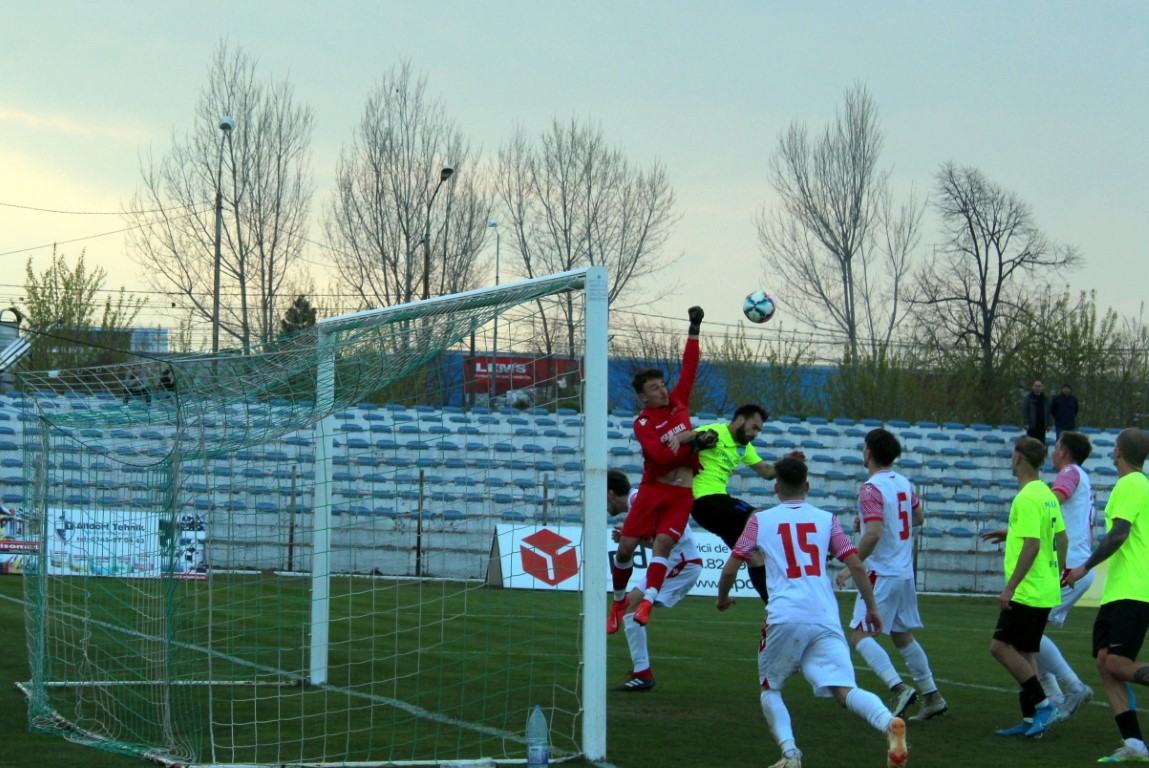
(976, 291)
(574, 202)
(262, 170)
(838, 242)
(388, 198)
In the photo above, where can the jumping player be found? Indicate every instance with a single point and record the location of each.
(669, 450)
(804, 630)
(714, 508)
(686, 565)
(887, 505)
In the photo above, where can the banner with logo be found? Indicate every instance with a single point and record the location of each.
(125, 543)
(549, 557)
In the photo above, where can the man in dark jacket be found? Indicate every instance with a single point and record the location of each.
(1035, 412)
(1064, 411)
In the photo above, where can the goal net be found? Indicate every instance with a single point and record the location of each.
(362, 544)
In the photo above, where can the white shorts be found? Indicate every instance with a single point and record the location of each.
(1069, 596)
(897, 604)
(675, 587)
(819, 651)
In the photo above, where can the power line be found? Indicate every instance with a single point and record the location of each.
(83, 213)
(89, 237)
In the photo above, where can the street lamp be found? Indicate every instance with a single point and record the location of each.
(493, 389)
(444, 174)
(226, 124)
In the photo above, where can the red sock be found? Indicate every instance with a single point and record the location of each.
(621, 576)
(656, 573)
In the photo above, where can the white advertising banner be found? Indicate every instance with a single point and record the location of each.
(124, 543)
(549, 557)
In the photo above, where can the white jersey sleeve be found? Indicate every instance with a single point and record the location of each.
(1077, 511)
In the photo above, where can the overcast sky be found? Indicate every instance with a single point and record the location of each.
(1048, 99)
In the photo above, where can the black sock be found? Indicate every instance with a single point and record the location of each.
(1127, 724)
(758, 579)
(1032, 694)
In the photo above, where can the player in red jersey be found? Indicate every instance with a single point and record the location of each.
(669, 449)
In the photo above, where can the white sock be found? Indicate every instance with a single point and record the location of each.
(778, 718)
(636, 639)
(870, 708)
(1050, 686)
(1050, 661)
(919, 667)
(878, 661)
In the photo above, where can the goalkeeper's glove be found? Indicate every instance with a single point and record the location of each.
(695, 314)
(704, 439)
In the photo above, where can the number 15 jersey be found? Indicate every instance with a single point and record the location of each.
(889, 497)
(795, 537)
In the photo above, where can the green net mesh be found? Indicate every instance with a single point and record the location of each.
(183, 505)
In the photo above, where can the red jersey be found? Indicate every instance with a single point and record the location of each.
(655, 426)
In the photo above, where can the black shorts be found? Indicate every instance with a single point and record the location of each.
(1120, 628)
(1022, 627)
(722, 515)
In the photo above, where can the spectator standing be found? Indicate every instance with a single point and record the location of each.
(1064, 409)
(1035, 412)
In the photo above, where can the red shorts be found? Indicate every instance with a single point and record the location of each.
(659, 508)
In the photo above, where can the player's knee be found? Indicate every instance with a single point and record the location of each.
(1112, 666)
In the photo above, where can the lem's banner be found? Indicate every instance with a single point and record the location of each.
(550, 557)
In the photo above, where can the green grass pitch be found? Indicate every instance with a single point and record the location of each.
(705, 712)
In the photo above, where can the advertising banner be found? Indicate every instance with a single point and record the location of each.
(549, 557)
(125, 543)
(505, 373)
(17, 548)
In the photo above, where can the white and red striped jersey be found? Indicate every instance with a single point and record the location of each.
(889, 497)
(795, 537)
(1077, 512)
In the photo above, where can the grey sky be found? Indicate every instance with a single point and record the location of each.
(1049, 99)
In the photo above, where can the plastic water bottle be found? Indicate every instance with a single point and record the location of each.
(538, 739)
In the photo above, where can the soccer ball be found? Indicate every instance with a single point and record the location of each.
(758, 307)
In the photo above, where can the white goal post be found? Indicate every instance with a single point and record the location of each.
(284, 558)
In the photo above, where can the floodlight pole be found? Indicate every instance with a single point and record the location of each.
(492, 374)
(444, 174)
(226, 124)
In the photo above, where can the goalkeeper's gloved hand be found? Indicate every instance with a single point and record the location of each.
(705, 439)
(695, 314)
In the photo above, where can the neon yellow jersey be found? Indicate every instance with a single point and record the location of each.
(1035, 514)
(1128, 578)
(719, 462)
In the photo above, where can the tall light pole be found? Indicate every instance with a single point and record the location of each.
(444, 174)
(492, 374)
(226, 123)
